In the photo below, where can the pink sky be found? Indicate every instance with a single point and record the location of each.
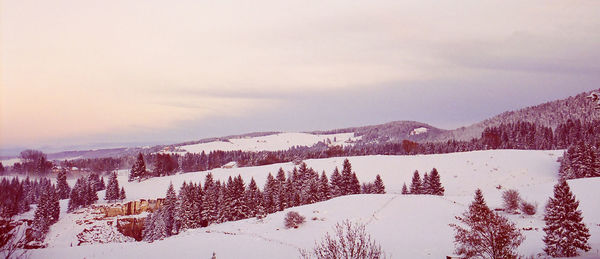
(102, 71)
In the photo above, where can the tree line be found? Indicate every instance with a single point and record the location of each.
(431, 184)
(580, 160)
(215, 202)
(519, 135)
(17, 196)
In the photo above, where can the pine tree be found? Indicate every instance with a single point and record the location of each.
(378, 185)
(74, 199)
(189, 207)
(209, 202)
(82, 194)
(485, 234)
(324, 189)
(94, 180)
(47, 212)
(253, 198)
(565, 230)
(347, 185)
(313, 194)
(198, 199)
(269, 194)
(138, 171)
(221, 191)
(91, 196)
(405, 189)
(112, 190)
(54, 205)
(155, 226)
(435, 185)
(415, 185)
(236, 202)
(63, 187)
(354, 187)
(425, 185)
(367, 188)
(336, 184)
(122, 195)
(281, 197)
(41, 219)
(102, 185)
(170, 210)
(579, 161)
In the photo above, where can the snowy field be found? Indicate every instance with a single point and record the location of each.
(10, 162)
(407, 226)
(275, 142)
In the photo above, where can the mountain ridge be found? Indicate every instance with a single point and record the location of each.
(549, 114)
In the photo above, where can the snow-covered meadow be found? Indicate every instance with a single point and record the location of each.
(274, 142)
(407, 226)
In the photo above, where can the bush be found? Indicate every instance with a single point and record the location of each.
(511, 200)
(293, 219)
(349, 241)
(528, 208)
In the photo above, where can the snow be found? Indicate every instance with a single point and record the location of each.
(275, 142)
(406, 226)
(418, 131)
(461, 173)
(10, 162)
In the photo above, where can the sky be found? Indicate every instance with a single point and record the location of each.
(77, 73)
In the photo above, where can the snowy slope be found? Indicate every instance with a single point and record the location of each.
(461, 173)
(275, 142)
(418, 131)
(10, 162)
(407, 226)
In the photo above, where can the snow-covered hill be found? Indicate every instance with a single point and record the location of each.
(407, 226)
(273, 142)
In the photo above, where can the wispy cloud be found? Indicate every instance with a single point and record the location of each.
(88, 69)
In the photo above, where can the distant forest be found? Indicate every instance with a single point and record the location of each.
(520, 135)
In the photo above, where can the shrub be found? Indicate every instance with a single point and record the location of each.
(511, 200)
(528, 208)
(293, 219)
(349, 241)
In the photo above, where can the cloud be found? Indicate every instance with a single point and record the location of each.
(88, 69)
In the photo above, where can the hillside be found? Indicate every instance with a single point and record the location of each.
(271, 142)
(549, 114)
(395, 131)
(403, 224)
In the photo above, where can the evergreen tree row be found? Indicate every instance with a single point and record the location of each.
(518, 135)
(217, 202)
(579, 161)
(113, 192)
(431, 184)
(46, 213)
(83, 194)
(17, 195)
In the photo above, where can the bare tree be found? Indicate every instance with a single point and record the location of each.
(35, 161)
(349, 241)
